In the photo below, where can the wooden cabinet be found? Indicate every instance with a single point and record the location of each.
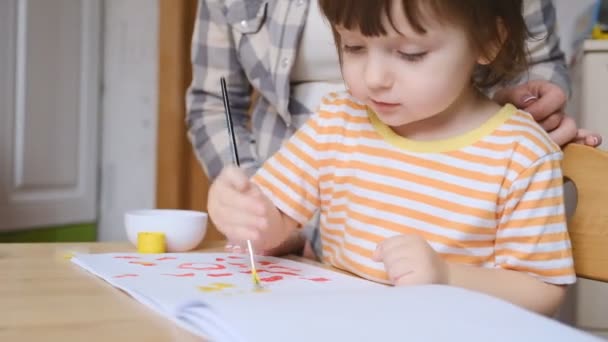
(49, 91)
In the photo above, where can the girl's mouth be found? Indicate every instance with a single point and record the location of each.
(384, 106)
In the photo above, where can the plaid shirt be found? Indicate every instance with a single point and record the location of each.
(253, 43)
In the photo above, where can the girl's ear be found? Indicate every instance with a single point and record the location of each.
(493, 49)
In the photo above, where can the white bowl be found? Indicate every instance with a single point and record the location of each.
(184, 229)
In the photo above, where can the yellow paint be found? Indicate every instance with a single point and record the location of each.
(256, 279)
(220, 287)
(209, 288)
(260, 290)
(214, 287)
(151, 242)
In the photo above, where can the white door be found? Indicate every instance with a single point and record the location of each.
(49, 91)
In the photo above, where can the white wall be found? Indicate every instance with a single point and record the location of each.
(569, 21)
(129, 112)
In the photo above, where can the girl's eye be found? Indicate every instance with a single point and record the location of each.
(412, 57)
(352, 48)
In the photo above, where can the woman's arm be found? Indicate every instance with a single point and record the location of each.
(546, 59)
(214, 55)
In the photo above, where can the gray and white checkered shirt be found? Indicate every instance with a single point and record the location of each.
(253, 43)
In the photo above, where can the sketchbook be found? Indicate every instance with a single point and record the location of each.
(212, 295)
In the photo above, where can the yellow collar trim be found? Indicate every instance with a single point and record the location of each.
(442, 145)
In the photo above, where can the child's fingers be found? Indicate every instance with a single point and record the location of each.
(242, 233)
(226, 195)
(396, 256)
(245, 219)
(229, 246)
(255, 191)
(387, 246)
(241, 203)
(234, 247)
(377, 256)
(400, 272)
(234, 178)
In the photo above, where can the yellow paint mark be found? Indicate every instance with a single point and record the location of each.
(214, 287)
(69, 255)
(256, 279)
(260, 290)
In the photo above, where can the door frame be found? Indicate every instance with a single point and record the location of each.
(180, 180)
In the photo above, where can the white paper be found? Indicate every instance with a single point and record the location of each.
(296, 308)
(168, 282)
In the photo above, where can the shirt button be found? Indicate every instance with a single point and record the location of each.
(285, 62)
(244, 24)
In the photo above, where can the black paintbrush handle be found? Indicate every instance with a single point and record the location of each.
(235, 153)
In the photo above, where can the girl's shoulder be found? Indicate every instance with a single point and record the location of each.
(341, 110)
(525, 135)
(343, 101)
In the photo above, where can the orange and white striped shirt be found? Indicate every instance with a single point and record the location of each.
(492, 197)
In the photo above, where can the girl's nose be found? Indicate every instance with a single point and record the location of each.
(378, 74)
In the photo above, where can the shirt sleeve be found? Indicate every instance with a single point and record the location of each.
(214, 55)
(546, 60)
(532, 234)
(290, 178)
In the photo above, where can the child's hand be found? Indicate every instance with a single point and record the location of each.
(238, 207)
(410, 260)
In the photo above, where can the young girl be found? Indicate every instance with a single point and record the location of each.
(419, 178)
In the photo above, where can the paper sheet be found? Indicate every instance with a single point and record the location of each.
(212, 295)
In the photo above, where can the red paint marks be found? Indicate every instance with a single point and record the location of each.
(166, 258)
(238, 264)
(217, 275)
(263, 270)
(219, 259)
(235, 257)
(284, 273)
(249, 272)
(265, 263)
(194, 266)
(126, 257)
(285, 268)
(272, 278)
(182, 275)
(319, 279)
(126, 275)
(143, 263)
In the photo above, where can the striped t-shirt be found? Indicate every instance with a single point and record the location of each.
(492, 197)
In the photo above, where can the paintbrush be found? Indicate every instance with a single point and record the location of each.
(235, 158)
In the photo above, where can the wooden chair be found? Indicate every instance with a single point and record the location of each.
(587, 169)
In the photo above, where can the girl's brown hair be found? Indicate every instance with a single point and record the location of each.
(496, 28)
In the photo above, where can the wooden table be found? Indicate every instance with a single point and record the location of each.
(44, 297)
